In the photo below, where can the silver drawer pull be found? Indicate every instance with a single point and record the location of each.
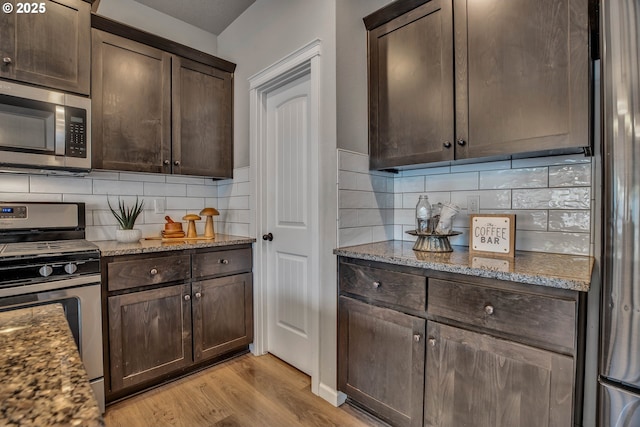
(187, 297)
(417, 337)
(376, 284)
(432, 342)
(153, 271)
(488, 309)
(223, 261)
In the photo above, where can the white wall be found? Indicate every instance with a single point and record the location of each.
(265, 33)
(145, 18)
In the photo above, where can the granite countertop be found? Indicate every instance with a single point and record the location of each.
(43, 381)
(553, 270)
(113, 248)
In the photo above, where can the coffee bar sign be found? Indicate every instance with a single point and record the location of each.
(493, 234)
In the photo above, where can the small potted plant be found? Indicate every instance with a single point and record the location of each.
(126, 217)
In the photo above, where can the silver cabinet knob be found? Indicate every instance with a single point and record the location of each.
(447, 144)
(187, 297)
(7, 60)
(432, 342)
(461, 142)
(166, 162)
(488, 309)
(198, 295)
(417, 337)
(153, 271)
(376, 284)
(223, 261)
(70, 268)
(176, 162)
(45, 270)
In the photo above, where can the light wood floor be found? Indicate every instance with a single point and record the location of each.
(246, 391)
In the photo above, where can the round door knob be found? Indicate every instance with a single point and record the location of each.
(267, 237)
(489, 309)
(376, 284)
(417, 337)
(461, 142)
(166, 162)
(223, 261)
(198, 295)
(176, 162)
(187, 297)
(447, 144)
(432, 342)
(45, 270)
(70, 268)
(7, 60)
(153, 271)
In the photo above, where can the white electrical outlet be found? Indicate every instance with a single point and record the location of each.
(473, 204)
(158, 206)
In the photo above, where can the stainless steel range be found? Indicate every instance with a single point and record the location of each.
(45, 259)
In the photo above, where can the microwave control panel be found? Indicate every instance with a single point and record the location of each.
(76, 141)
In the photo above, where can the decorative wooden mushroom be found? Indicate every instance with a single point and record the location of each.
(208, 226)
(191, 228)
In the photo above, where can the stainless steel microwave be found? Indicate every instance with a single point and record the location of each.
(43, 131)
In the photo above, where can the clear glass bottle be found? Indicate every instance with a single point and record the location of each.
(423, 214)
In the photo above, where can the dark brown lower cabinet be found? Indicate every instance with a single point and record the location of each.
(149, 334)
(167, 316)
(475, 379)
(222, 315)
(382, 354)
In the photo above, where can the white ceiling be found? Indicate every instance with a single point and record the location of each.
(210, 15)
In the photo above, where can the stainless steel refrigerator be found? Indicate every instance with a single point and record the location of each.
(619, 381)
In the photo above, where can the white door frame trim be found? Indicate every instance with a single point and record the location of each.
(305, 60)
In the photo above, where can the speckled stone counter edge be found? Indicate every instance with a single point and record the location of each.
(114, 248)
(43, 380)
(551, 270)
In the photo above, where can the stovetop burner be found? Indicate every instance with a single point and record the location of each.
(52, 247)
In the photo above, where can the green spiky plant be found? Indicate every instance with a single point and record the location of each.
(127, 216)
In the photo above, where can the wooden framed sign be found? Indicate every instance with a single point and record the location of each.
(493, 234)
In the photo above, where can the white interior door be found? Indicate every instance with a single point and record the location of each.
(290, 194)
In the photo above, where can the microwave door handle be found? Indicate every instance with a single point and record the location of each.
(60, 131)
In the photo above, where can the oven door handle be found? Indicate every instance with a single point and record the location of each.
(89, 279)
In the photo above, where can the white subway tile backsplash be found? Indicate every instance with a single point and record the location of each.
(552, 198)
(410, 184)
(347, 218)
(104, 186)
(189, 203)
(97, 174)
(576, 221)
(514, 178)
(535, 220)
(163, 189)
(576, 175)
(347, 180)
(427, 171)
(489, 199)
(553, 242)
(488, 166)
(189, 180)
(30, 197)
(355, 236)
(14, 183)
(371, 217)
(549, 161)
(410, 200)
(67, 185)
(142, 177)
(452, 182)
(202, 191)
(355, 162)
(241, 174)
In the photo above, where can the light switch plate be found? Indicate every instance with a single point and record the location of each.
(473, 204)
(158, 206)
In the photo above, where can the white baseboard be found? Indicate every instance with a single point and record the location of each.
(335, 397)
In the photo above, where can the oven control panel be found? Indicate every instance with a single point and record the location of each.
(13, 212)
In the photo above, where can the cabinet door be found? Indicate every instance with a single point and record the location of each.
(381, 360)
(478, 380)
(131, 105)
(411, 88)
(202, 120)
(149, 334)
(222, 315)
(522, 76)
(50, 48)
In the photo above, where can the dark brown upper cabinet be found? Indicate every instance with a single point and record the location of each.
(514, 76)
(159, 107)
(50, 48)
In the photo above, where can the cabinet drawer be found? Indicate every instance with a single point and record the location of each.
(132, 273)
(221, 262)
(403, 289)
(538, 318)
